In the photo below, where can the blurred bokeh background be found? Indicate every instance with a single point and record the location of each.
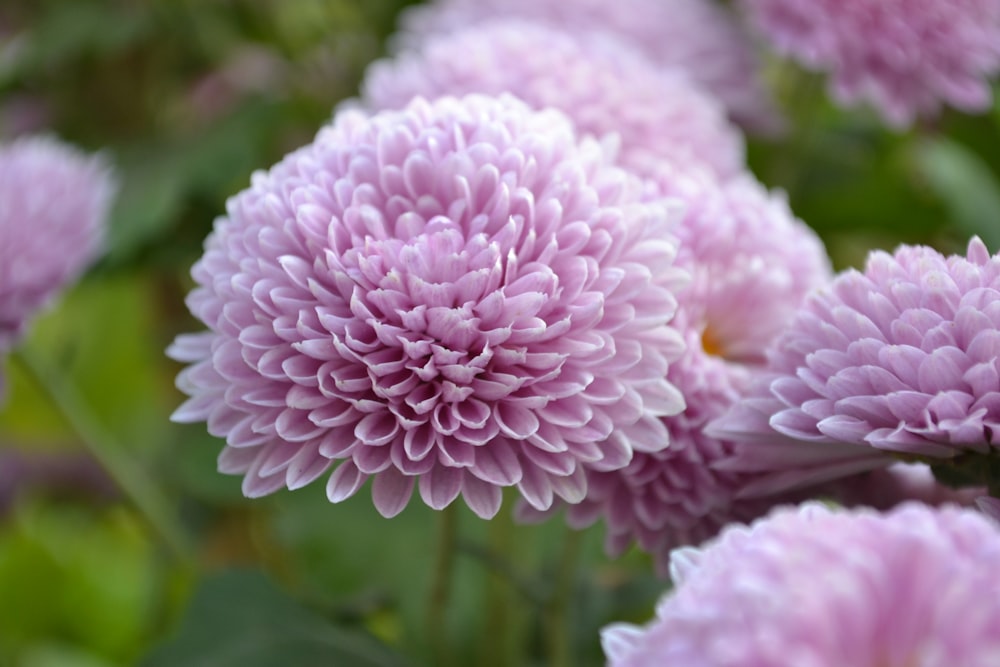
(187, 98)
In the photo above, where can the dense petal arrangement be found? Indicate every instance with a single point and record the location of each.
(752, 263)
(696, 36)
(460, 294)
(603, 86)
(901, 360)
(54, 202)
(906, 57)
(824, 588)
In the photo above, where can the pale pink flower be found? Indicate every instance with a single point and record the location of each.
(54, 203)
(696, 36)
(900, 361)
(824, 588)
(906, 57)
(602, 85)
(459, 296)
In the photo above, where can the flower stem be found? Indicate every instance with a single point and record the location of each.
(558, 640)
(440, 593)
(133, 481)
(500, 590)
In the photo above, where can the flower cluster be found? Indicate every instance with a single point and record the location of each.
(601, 84)
(904, 56)
(695, 36)
(460, 295)
(819, 587)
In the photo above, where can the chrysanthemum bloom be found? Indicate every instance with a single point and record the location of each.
(898, 361)
(54, 202)
(906, 57)
(696, 36)
(752, 264)
(603, 86)
(460, 295)
(824, 588)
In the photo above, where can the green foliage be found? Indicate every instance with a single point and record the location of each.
(240, 619)
(83, 578)
(965, 184)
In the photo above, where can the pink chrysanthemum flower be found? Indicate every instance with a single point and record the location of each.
(459, 295)
(54, 202)
(905, 57)
(898, 361)
(824, 588)
(696, 36)
(603, 86)
(752, 264)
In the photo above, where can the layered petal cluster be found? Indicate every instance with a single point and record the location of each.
(824, 588)
(695, 36)
(460, 295)
(602, 85)
(906, 57)
(54, 203)
(898, 361)
(752, 264)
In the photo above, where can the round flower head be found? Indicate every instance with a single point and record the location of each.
(54, 201)
(905, 57)
(459, 294)
(901, 360)
(824, 588)
(603, 86)
(752, 264)
(695, 36)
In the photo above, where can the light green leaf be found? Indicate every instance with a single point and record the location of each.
(965, 184)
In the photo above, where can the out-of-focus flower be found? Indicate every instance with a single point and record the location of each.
(906, 57)
(898, 361)
(752, 264)
(460, 295)
(824, 588)
(54, 202)
(602, 85)
(696, 36)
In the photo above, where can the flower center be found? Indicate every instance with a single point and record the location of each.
(710, 344)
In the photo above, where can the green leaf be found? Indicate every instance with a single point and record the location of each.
(965, 184)
(240, 619)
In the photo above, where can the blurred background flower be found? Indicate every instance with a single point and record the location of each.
(904, 57)
(825, 587)
(602, 85)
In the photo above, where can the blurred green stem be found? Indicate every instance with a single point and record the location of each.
(500, 589)
(440, 594)
(557, 614)
(133, 481)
